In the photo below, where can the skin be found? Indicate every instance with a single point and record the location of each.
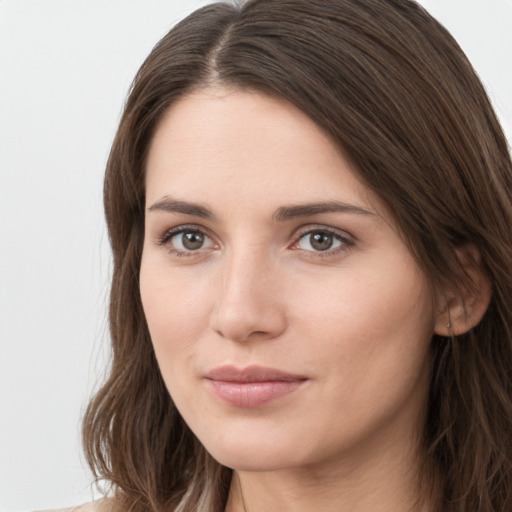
(354, 321)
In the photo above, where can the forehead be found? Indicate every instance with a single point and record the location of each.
(216, 144)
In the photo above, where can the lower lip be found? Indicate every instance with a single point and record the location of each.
(253, 394)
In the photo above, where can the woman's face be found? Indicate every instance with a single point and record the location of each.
(290, 321)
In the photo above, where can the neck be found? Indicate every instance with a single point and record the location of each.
(374, 483)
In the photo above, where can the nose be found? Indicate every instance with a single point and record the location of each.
(248, 305)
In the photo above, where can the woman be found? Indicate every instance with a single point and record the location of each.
(309, 208)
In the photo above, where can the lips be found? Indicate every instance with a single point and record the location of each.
(253, 386)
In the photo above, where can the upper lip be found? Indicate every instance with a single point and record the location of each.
(253, 373)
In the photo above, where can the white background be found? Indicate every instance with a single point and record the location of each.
(65, 68)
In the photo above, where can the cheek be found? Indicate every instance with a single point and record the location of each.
(368, 320)
(369, 337)
(177, 308)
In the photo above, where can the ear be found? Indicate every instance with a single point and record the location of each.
(461, 310)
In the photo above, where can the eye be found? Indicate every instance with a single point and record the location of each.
(185, 240)
(189, 240)
(323, 241)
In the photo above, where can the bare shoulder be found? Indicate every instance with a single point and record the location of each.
(102, 505)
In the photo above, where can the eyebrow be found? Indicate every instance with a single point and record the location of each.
(283, 213)
(308, 210)
(167, 204)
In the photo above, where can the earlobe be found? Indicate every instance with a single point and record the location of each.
(463, 310)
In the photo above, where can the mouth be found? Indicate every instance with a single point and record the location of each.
(253, 386)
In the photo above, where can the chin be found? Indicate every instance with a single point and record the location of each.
(252, 459)
(256, 453)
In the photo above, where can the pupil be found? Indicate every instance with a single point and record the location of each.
(321, 241)
(192, 241)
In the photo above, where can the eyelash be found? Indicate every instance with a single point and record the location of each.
(166, 238)
(346, 241)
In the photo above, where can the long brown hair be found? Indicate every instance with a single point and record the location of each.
(395, 91)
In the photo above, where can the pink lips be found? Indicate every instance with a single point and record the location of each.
(253, 386)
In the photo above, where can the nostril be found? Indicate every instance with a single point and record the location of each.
(255, 321)
(248, 304)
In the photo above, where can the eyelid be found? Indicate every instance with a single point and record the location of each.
(165, 238)
(348, 240)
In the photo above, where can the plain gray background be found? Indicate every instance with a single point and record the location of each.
(65, 68)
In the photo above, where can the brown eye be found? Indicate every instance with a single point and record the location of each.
(320, 240)
(192, 241)
(189, 240)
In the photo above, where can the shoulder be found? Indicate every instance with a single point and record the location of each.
(102, 505)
